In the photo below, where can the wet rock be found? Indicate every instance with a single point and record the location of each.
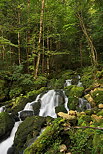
(60, 108)
(90, 100)
(27, 132)
(26, 113)
(72, 113)
(100, 106)
(6, 125)
(72, 119)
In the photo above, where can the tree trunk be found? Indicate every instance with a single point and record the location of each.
(40, 37)
(90, 43)
(43, 64)
(81, 55)
(28, 35)
(19, 52)
(48, 48)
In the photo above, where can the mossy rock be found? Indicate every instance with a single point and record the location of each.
(87, 77)
(100, 113)
(84, 120)
(17, 104)
(98, 142)
(81, 141)
(60, 108)
(47, 138)
(27, 132)
(89, 112)
(97, 95)
(73, 92)
(6, 125)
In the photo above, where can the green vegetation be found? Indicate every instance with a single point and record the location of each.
(42, 44)
(6, 125)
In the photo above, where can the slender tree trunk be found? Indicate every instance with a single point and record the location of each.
(81, 55)
(28, 35)
(43, 53)
(48, 55)
(3, 53)
(90, 43)
(3, 47)
(19, 52)
(40, 37)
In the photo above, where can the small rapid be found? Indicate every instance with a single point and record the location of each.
(6, 144)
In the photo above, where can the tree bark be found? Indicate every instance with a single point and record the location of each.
(40, 38)
(19, 52)
(28, 35)
(90, 43)
(81, 55)
(43, 61)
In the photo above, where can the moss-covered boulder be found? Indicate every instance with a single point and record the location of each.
(97, 95)
(84, 120)
(17, 104)
(27, 132)
(47, 138)
(60, 108)
(90, 100)
(6, 125)
(73, 92)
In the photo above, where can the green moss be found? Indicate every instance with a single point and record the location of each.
(28, 131)
(98, 142)
(81, 141)
(46, 139)
(6, 124)
(87, 77)
(98, 96)
(84, 119)
(100, 113)
(60, 108)
(73, 92)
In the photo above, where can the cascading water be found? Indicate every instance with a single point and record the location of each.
(84, 104)
(68, 83)
(2, 109)
(48, 102)
(6, 144)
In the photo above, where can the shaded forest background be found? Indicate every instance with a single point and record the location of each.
(63, 43)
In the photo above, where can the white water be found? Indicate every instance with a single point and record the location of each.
(2, 109)
(79, 84)
(84, 103)
(48, 103)
(68, 82)
(5, 145)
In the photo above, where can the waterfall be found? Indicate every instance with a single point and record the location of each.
(84, 104)
(2, 109)
(68, 83)
(6, 144)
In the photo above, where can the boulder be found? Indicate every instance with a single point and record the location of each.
(90, 100)
(72, 119)
(6, 125)
(27, 132)
(63, 148)
(25, 113)
(100, 106)
(72, 113)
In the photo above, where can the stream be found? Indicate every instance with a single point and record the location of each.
(48, 102)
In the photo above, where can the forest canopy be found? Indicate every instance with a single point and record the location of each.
(48, 35)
